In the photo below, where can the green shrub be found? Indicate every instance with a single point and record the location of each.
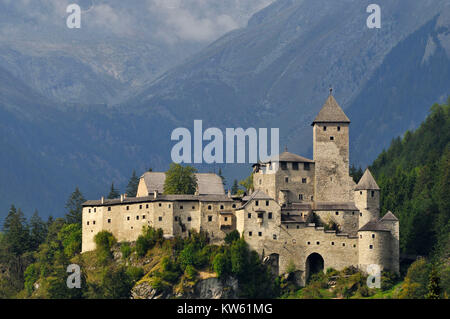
(125, 249)
(231, 237)
(221, 265)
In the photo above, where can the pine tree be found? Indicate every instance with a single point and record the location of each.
(17, 236)
(113, 192)
(132, 186)
(74, 207)
(235, 187)
(38, 230)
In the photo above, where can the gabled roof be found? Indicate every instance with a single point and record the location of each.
(331, 112)
(288, 157)
(374, 225)
(208, 183)
(367, 182)
(256, 195)
(389, 217)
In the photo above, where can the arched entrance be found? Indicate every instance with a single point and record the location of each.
(314, 265)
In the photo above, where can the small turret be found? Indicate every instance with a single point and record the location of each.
(367, 198)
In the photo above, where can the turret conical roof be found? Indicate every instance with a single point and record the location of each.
(331, 112)
(367, 182)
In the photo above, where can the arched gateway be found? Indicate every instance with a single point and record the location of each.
(314, 265)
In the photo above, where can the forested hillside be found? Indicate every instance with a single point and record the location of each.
(414, 176)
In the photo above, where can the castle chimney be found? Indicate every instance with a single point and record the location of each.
(229, 194)
(103, 200)
(121, 198)
(155, 194)
(124, 195)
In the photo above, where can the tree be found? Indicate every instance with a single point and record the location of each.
(38, 231)
(70, 237)
(434, 291)
(17, 236)
(113, 192)
(132, 186)
(235, 187)
(74, 207)
(356, 173)
(180, 180)
(247, 184)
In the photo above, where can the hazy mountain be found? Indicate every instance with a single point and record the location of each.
(121, 46)
(276, 72)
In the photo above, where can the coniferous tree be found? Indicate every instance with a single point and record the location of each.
(74, 207)
(38, 230)
(16, 230)
(434, 290)
(235, 187)
(113, 192)
(132, 186)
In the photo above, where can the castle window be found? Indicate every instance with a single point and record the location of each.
(269, 215)
(373, 235)
(360, 214)
(181, 207)
(371, 247)
(312, 197)
(169, 205)
(295, 166)
(267, 203)
(318, 243)
(160, 218)
(193, 207)
(128, 207)
(287, 226)
(339, 128)
(343, 244)
(373, 193)
(189, 218)
(332, 243)
(286, 179)
(260, 181)
(88, 223)
(306, 166)
(298, 227)
(353, 213)
(309, 243)
(259, 234)
(93, 222)
(274, 237)
(109, 221)
(250, 233)
(89, 210)
(354, 246)
(140, 206)
(300, 196)
(109, 209)
(209, 218)
(176, 218)
(249, 215)
(137, 217)
(360, 192)
(256, 203)
(324, 128)
(331, 138)
(337, 213)
(283, 166)
(234, 206)
(209, 207)
(260, 215)
(226, 219)
(304, 180)
(146, 206)
(159, 204)
(143, 216)
(221, 206)
(128, 217)
(95, 209)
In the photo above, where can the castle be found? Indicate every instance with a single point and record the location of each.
(305, 212)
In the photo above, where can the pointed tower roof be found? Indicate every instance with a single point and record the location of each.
(367, 182)
(331, 112)
(389, 216)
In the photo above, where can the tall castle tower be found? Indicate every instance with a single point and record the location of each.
(367, 198)
(331, 154)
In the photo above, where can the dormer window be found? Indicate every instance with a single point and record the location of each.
(283, 166)
(295, 166)
(306, 166)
